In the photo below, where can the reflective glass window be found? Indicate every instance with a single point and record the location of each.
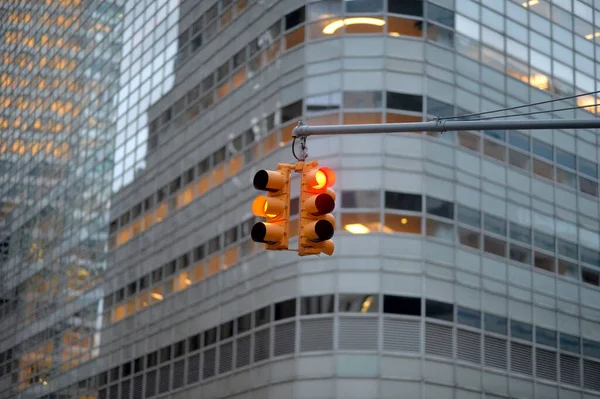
(520, 233)
(521, 330)
(542, 149)
(359, 303)
(543, 241)
(324, 9)
(439, 14)
(496, 324)
(544, 336)
(440, 207)
(495, 224)
(406, 7)
(359, 6)
(567, 249)
(469, 216)
(409, 202)
(468, 317)
(361, 199)
(519, 140)
(362, 99)
(569, 343)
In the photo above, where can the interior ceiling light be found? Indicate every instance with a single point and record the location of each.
(335, 25)
(530, 3)
(590, 36)
(357, 228)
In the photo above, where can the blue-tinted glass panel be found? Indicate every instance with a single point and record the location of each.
(569, 343)
(568, 249)
(543, 241)
(496, 324)
(469, 317)
(542, 149)
(591, 348)
(590, 256)
(439, 108)
(469, 216)
(495, 224)
(519, 140)
(497, 134)
(588, 168)
(439, 14)
(565, 159)
(521, 330)
(520, 233)
(441, 208)
(364, 5)
(543, 336)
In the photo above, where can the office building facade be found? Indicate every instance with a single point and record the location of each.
(466, 265)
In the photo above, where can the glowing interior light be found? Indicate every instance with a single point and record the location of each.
(404, 220)
(530, 3)
(357, 228)
(366, 304)
(156, 295)
(321, 179)
(335, 25)
(395, 34)
(188, 281)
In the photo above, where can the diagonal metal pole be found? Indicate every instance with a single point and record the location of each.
(303, 130)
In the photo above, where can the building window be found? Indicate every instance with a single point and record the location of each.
(361, 199)
(319, 304)
(359, 303)
(406, 202)
(394, 304)
(439, 310)
(440, 208)
(408, 102)
(406, 7)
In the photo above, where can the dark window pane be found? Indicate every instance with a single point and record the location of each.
(494, 150)
(285, 309)
(568, 269)
(401, 305)
(468, 317)
(152, 359)
(407, 202)
(295, 18)
(361, 199)
(291, 111)
(494, 224)
(262, 316)
(363, 303)
(543, 241)
(316, 304)
(165, 354)
(546, 337)
(362, 99)
(403, 101)
(542, 149)
(244, 323)
(194, 342)
(407, 7)
(179, 348)
(494, 246)
(210, 336)
(440, 208)
(568, 249)
(520, 233)
(519, 140)
(138, 365)
(588, 168)
(495, 324)
(439, 14)
(569, 343)
(439, 108)
(226, 330)
(565, 159)
(520, 254)
(469, 238)
(439, 310)
(591, 348)
(364, 5)
(469, 216)
(521, 330)
(590, 276)
(590, 256)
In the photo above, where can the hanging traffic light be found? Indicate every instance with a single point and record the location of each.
(317, 201)
(275, 207)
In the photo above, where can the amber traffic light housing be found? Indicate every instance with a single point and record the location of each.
(317, 201)
(274, 207)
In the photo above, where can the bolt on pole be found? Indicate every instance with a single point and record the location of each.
(302, 130)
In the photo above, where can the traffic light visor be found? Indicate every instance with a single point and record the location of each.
(322, 178)
(268, 180)
(320, 204)
(267, 207)
(266, 232)
(320, 230)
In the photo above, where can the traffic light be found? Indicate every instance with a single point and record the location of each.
(275, 207)
(317, 201)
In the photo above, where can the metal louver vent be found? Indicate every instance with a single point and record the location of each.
(285, 339)
(163, 379)
(316, 335)
(114, 391)
(150, 384)
(591, 375)
(210, 358)
(494, 352)
(520, 358)
(243, 351)
(438, 340)
(261, 344)
(570, 370)
(193, 368)
(225, 357)
(178, 374)
(401, 335)
(126, 389)
(358, 333)
(138, 387)
(545, 364)
(468, 346)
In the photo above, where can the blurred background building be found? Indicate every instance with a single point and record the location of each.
(467, 264)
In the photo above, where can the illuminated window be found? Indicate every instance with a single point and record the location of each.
(331, 119)
(235, 165)
(230, 257)
(218, 175)
(204, 185)
(161, 212)
(182, 281)
(156, 294)
(402, 224)
(131, 306)
(214, 265)
(239, 77)
(185, 197)
(270, 143)
(294, 38)
(361, 223)
(317, 30)
(198, 272)
(364, 25)
(362, 118)
(143, 300)
(223, 90)
(118, 313)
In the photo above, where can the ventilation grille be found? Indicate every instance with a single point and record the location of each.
(125, 389)
(520, 358)
(178, 377)
(570, 370)
(316, 335)
(591, 375)
(193, 368)
(138, 386)
(210, 358)
(468, 346)
(243, 351)
(285, 339)
(225, 357)
(401, 335)
(163, 379)
(438, 340)
(545, 364)
(151, 383)
(114, 391)
(494, 352)
(358, 333)
(261, 345)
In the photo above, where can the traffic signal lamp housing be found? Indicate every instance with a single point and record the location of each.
(317, 201)
(274, 207)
